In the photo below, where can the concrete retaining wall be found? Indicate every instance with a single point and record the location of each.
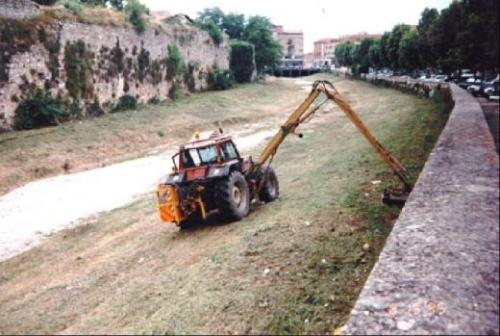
(438, 272)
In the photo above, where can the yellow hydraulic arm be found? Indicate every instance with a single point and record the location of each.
(301, 114)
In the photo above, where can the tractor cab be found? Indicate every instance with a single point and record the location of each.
(207, 155)
(209, 174)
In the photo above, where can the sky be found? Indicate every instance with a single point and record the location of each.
(316, 18)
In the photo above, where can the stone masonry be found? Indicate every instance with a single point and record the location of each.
(439, 270)
(18, 9)
(33, 68)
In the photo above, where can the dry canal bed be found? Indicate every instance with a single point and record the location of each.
(293, 266)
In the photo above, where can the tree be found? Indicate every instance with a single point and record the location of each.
(233, 25)
(444, 38)
(242, 61)
(354, 56)
(267, 49)
(409, 51)
(393, 44)
(363, 54)
(257, 31)
(477, 36)
(213, 30)
(384, 49)
(210, 20)
(343, 53)
(374, 55)
(214, 14)
(426, 51)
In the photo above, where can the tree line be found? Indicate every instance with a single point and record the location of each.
(462, 36)
(253, 32)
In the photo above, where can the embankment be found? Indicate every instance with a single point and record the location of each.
(438, 272)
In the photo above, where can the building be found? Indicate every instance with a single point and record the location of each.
(324, 49)
(308, 60)
(292, 44)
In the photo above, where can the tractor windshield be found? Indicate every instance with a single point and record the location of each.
(195, 157)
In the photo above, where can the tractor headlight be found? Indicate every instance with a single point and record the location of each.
(175, 178)
(215, 172)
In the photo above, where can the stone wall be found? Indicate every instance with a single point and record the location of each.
(120, 60)
(18, 9)
(439, 270)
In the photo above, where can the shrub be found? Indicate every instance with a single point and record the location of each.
(143, 62)
(94, 109)
(155, 100)
(39, 110)
(213, 30)
(73, 6)
(117, 64)
(242, 61)
(175, 91)
(117, 4)
(100, 3)
(220, 80)
(189, 77)
(175, 62)
(45, 2)
(126, 102)
(75, 108)
(78, 66)
(135, 13)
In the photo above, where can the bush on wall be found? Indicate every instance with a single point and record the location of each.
(126, 102)
(175, 62)
(242, 60)
(39, 109)
(220, 79)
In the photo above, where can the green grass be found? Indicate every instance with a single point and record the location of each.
(337, 263)
(294, 266)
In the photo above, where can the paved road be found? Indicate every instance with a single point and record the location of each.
(490, 109)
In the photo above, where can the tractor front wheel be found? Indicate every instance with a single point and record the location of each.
(233, 196)
(270, 188)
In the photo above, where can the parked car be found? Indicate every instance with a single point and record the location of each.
(486, 86)
(475, 89)
(463, 78)
(492, 91)
(441, 78)
(467, 81)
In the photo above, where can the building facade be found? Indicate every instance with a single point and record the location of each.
(324, 49)
(292, 45)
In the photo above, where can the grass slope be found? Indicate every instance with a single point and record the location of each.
(293, 266)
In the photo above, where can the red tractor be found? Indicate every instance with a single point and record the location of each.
(209, 174)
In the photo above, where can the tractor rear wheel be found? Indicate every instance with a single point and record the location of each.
(271, 188)
(233, 196)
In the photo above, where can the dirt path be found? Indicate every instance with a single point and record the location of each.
(116, 137)
(44, 207)
(292, 266)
